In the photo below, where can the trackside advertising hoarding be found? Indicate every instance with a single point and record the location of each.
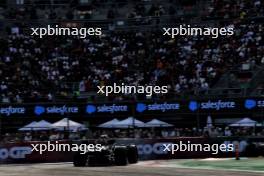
(148, 149)
(140, 108)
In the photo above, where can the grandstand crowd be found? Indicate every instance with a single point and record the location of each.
(29, 64)
(33, 69)
(111, 9)
(232, 9)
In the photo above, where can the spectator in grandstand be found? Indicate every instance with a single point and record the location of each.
(54, 136)
(227, 132)
(43, 136)
(28, 137)
(74, 136)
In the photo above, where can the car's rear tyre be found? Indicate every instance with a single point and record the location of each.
(132, 154)
(120, 156)
(80, 160)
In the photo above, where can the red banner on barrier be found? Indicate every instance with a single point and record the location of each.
(22, 153)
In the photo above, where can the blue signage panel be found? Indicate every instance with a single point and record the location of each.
(12, 110)
(159, 107)
(254, 103)
(212, 105)
(56, 110)
(106, 108)
(130, 109)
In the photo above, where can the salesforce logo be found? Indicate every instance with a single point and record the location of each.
(250, 104)
(56, 110)
(141, 107)
(39, 110)
(193, 105)
(12, 110)
(90, 109)
(217, 105)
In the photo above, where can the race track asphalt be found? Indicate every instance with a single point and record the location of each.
(140, 169)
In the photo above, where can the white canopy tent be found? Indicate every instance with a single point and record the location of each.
(246, 122)
(109, 124)
(42, 125)
(37, 126)
(128, 123)
(67, 124)
(157, 123)
(27, 127)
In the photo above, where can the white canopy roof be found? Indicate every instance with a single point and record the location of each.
(246, 122)
(109, 124)
(27, 127)
(129, 122)
(68, 124)
(157, 123)
(37, 126)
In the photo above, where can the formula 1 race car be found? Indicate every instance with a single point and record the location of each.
(110, 154)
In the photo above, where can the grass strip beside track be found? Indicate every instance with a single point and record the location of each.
(244, 164)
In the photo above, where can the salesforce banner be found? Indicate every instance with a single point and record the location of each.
(23, 153)
(131, 109)
(213, 105)
(10, 110)
(107, 109)
(56, 109)
(157, 107)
